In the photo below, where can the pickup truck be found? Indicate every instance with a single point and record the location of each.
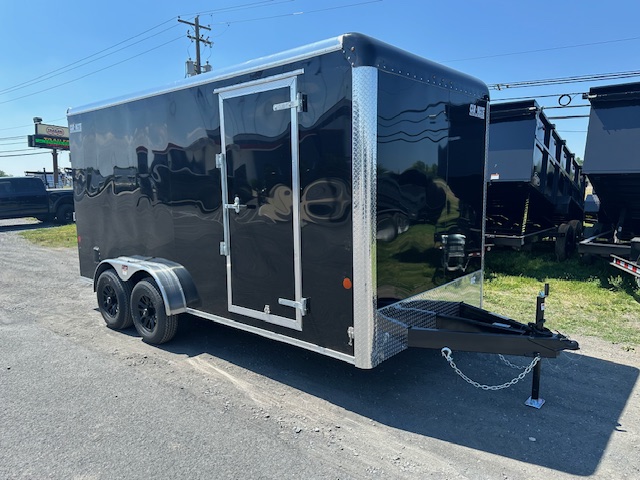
(28, 197)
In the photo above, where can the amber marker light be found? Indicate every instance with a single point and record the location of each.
(346, 283)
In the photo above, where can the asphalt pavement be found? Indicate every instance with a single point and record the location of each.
(80, 401)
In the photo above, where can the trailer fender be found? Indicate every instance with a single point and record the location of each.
(174, 281)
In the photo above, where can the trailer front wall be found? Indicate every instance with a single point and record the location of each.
(146, 183)
(430, 179)
(511, 143)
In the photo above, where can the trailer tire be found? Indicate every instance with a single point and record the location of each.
(64, 214)
(149, 315)
(563, 241)
(577, 231)
(113, 300)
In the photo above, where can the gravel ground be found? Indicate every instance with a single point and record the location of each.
(78, 400)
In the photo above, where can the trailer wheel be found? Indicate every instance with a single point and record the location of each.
(564, 242)
(113, 300)
(64, 214)
(577, 231)
(149, 315)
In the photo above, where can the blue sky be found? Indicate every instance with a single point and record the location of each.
(496, 41)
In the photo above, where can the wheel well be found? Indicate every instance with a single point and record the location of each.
(135, 278)
(61, 202)
(173, 280)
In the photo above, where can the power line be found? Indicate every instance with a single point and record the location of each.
(19, 150)
(566, 106)
(292, 14)
(539, 96)
(245, 6)
(79, 63)
(562, 80)
(21, 154)
(543, 50)
(91, 73)
(51, 75)
(13, 138)
(26, 126)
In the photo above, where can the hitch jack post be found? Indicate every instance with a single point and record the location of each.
(534, 400)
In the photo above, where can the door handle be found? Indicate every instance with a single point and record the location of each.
(235, 205)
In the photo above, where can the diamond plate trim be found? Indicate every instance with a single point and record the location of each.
(364, 158)
(420, 310)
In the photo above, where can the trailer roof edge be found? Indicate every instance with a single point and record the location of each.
(359, 50)
(269, 61)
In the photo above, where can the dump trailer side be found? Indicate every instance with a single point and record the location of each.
(611, 156)
(535, 186)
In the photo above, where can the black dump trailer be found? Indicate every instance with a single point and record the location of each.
(535, 186)
(612, 165)
(329, 197)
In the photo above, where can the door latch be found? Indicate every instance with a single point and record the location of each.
(302, 305)
(300, 104)
(235, 205)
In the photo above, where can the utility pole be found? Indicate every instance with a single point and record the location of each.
(198, 39)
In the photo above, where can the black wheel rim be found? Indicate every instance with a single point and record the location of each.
(109, 301)
(147, 313)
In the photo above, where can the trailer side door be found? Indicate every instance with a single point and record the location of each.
(260, 185)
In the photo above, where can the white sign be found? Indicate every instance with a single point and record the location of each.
(52, 130)
(476, 111)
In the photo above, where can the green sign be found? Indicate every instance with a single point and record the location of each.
(47, 141)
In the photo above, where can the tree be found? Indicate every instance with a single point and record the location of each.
(2, 174)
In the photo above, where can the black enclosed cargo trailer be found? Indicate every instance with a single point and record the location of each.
(612, 164)
(330, 197)
(535, 186)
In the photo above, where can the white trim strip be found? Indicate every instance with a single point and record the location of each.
(273, 336)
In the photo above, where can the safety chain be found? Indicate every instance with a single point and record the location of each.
(446, 353)
(509, 364)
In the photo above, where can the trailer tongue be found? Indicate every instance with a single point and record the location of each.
(471, 329)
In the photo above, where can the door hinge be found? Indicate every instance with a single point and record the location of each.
(219, 160)
(302, 305)
(300, 104)
(351, 335)
(223, 249)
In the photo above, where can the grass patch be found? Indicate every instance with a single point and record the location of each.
(64, 236)
(594, 300)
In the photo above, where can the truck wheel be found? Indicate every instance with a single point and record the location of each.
(149, 315)
(64, 214)
(113, 300)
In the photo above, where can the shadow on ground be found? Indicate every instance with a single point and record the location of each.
(22, 224)
(418, 392)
